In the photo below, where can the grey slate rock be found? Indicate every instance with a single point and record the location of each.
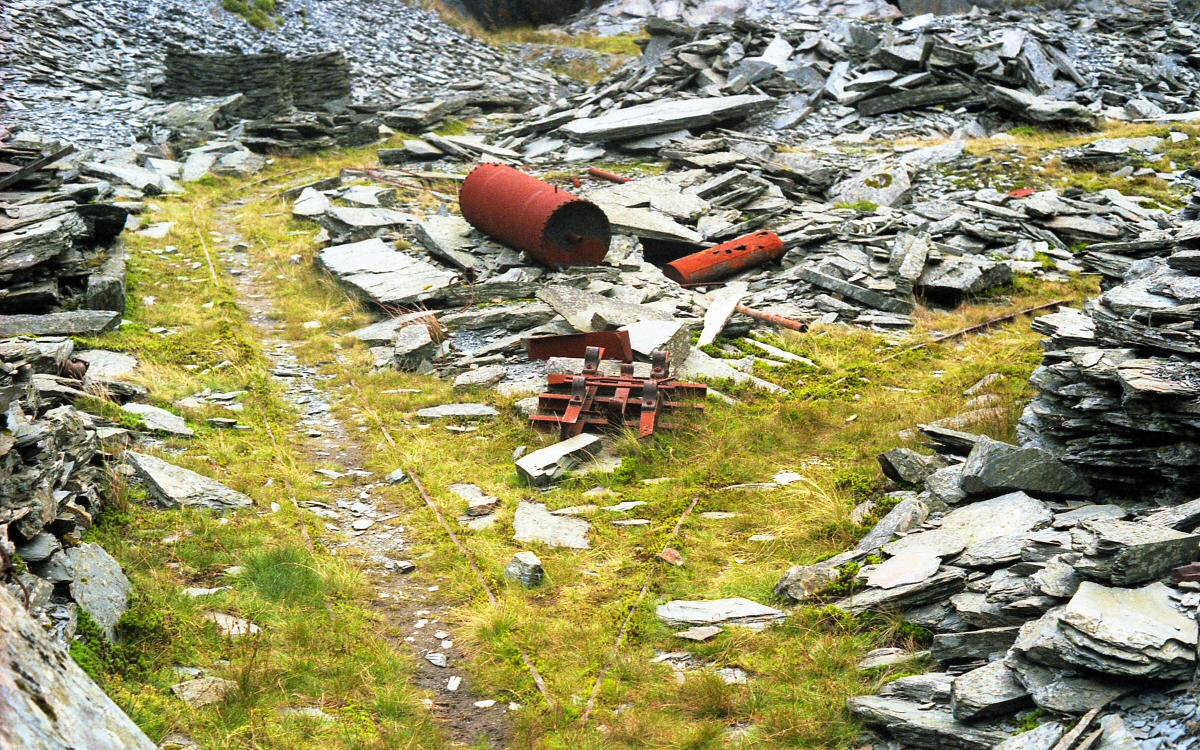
(57, 707)
(992, 690)
(526, 568)
(1114, 631)
(945, 485)
(945, 582)
(995, 467)
(666, 117)
(74, 323)
(1043, 737)
(100, 587)
(413, 347)
(1126, 553)
(174, 486)
(39, 549)
(458, 411)
(955, 277)
(1007, 515)
(1067, 691)
(973, 645)
(383, 275)
(884, 185)
(906, 465)
(159, 420)
(913, 724)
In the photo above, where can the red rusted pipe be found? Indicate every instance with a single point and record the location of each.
(602, 174)
(551, 225)
(726, 259)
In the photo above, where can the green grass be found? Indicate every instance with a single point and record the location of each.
(258, 13)
(323, 646)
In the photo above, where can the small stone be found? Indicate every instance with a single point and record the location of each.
(203, 691)
(526, 568)
(699, 634)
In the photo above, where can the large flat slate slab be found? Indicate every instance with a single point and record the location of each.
(47, 701)
(383, 275)
(666, 117)
(533, 523)
(175, 486)
(74, 323)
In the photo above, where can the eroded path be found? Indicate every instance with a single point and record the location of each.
(364, 521)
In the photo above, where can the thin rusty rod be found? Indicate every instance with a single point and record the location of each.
(972, 329)
(591, 703)
(537, 677)
(779, 320)
(603, 174)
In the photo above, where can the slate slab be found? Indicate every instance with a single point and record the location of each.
(665, 117)
(533, 523)
(174, 486)
(73, 323)
(384, 275)
(100, 587)
(994, 467)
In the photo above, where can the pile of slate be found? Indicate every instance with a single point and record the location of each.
(1037, 598)
(860, 249)
(971, 74)
(1119, 382)
(53, 476)
(91, 71)
(59, 246)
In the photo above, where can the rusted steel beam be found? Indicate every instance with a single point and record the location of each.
(615, 344)
(551, 225)
(779, 320)
(726, 259)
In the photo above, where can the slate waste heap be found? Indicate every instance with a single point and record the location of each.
(1046, 585)
(865, 234)
(1065, 69)
(108, 73)
(59, 240)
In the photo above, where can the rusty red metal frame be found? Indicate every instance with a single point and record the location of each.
(614, 345)
(600, 402)
(552, 225)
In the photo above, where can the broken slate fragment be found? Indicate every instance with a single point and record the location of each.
(458, 411)
(174, 486)
(383, 275)
(533, 523)
(552, 463)
(666, 116)
(159, 420)
(203, 691)
(991, 690)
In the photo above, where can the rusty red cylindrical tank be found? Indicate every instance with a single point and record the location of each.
(725, 259)
(551, 225)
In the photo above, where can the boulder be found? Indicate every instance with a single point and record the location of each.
(916, 725)
(1006, 515)
(533, 523)
(1114, 631)
(908, 466)
(100, 587)
(1126, 553)
(991, 690)
(994, 467)
(48, 702)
